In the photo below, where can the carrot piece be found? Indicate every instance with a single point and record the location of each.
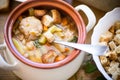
(48, 44)
(64, 21)
(67, 49)
(60, 57)
(45, 28)
(20, 18)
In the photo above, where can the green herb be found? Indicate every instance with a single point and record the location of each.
(74, 39)
(89, 55)
(100, 78)
(36, 44)
(90, 67)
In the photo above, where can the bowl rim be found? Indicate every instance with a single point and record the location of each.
(35, 3)
(97, 27)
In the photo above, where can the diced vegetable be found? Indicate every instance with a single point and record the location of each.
(31, 11)
(42, 39)
(45, 28)
(54, 28)
(48, 44)
(18, 45)
(64, 21)
(67, 49)
(59, 58)
(59, 34)
(20, 18)
(49, 33)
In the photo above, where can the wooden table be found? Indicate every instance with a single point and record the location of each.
(80, 75)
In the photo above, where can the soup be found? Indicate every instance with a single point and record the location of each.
(34, 33)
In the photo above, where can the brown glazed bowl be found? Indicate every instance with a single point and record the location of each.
(74, 59)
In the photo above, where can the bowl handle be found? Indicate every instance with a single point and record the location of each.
(90, 15)
(3, 63)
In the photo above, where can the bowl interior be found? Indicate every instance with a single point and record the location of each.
(58, 4)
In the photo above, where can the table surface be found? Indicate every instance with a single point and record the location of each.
(80, 75)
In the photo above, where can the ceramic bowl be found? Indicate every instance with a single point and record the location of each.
(29, 70)
(102, 26)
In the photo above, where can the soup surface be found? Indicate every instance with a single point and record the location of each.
(34, 33)
(111, 61)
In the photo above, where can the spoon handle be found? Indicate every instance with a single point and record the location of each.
(92, 49)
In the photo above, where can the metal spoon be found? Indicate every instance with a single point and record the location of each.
(92, 49)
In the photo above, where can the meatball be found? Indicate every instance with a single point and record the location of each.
(31, 27)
